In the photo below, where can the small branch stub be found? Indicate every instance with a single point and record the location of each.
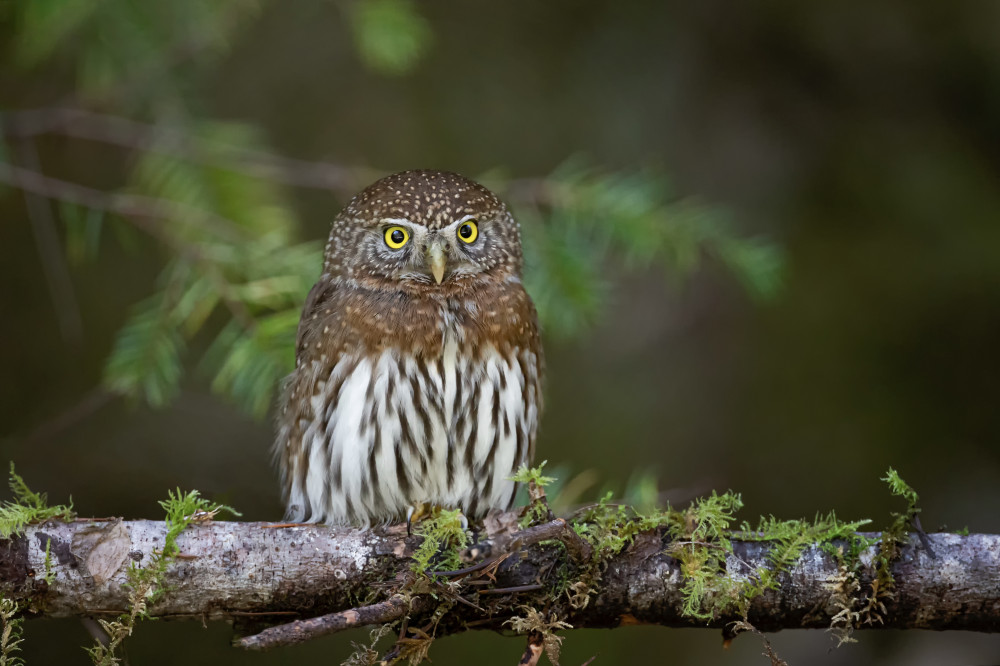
(303, 630)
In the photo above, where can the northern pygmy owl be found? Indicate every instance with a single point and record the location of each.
(418, 360)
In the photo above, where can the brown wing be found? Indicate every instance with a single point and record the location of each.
(318, 295)
(295, 404)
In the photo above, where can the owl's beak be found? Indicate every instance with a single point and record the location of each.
(436, 261)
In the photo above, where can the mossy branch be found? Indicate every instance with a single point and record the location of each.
(229, 570)
(147, 584)
(604, 566)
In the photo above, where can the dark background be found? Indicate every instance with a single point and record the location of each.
(865, 141)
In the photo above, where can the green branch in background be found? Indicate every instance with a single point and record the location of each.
(250, 270)
(240, 259)
(390, 35)
(213, 197)
(114, 41)
(124, 52)
(581, 217)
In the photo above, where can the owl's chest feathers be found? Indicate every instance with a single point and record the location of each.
(393, 428)
(421, 324)
(412, 397)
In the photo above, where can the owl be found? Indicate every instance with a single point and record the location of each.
(418, 362)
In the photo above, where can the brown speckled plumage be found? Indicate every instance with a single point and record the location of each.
(408, 390)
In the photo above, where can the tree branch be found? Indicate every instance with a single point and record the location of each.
(145, 212)
(300, 631)
(149, 214)
(131, 134)
(344, 180)
(235, 570)
(43, 224)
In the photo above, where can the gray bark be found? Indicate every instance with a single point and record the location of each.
(229, 570)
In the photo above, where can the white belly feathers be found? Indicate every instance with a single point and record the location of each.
(402, 429)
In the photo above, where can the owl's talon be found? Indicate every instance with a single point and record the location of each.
(416, 513)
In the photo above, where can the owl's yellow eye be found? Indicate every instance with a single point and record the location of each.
(396, 237)
(468, 232)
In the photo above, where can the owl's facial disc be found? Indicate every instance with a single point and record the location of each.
(413, 252)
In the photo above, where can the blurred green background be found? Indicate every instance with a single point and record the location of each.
(860, 143)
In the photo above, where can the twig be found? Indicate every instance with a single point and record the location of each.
(462, 600)
(91, 402)
(463, 572)
(511, 590)
(303, 630)
(533, 651)
(330, 176)
(136, 207)
(146, 213)
(397, 606)
(554, 529)
(536, 534)
(923, 537)
(43, 224)
(744, 626)
(135, 135)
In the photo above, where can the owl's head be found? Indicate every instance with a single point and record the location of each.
(423, 228)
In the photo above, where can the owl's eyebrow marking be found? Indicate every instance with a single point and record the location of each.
(401, 220)
(459, 221)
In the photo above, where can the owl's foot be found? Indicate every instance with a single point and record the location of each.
(415, 513)
(423, 510)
